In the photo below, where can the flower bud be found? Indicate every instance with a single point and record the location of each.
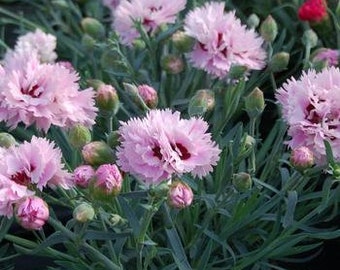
(254, 103)
(237, 72)
(253, 21)
(32, 213)
(180, 195)
(96, 153)
(329, 56)
(279, 61)
(107, 98)
(133, 92)
(94, 83)
(148, 94)
(82, 175)
(93, 28)
(108, 181)
(313, 11)
(117, 220)
(88, 42)
(112, 139)
(172, 64)
(182, 42)
(6, 140)
(268, 29)
(302, 158)
(242, 181)
(79, 135)
(201, 102)
(310, 38)
(84, 212)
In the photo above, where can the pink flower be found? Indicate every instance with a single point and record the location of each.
(32, 213)
(82, 175)
(222, 41)
(108, 179)
(161, 144)
(180, 195)
(35, 163)
(43, 94)
(310, 106)
(148, 94)
(10, 193)
(43, 44)
(330, 56)
(151, 14)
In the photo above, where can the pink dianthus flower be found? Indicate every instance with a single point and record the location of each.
(43, 94)
(310, 106)
(161, 144)
(35, 163)
(151, 14)
(222, 41)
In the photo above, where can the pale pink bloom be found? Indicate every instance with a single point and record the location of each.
(32, 213)
(68, 65)
(330, 56)
(148, 94)
(151, 14)
(82, 175)
(222, 41)
(310, 106)
(180, 195)
(10, 193)
(161, 144)
(43, 43)
(108, 179)
(36, 163)
(43, 94)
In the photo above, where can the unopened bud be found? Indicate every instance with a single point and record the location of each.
(6, 140)
(84, 212)
(82, 175)
(253, 21)
(254, 103)
(93, 28)
(237, 72)
(32, 213)
(172, 64)
(182, 42)
(79, 135)
(330, 57)
(108, 182)
(279, 61)
(302, 158)
(107, 98)
(201, 102)
(268, 29)
(133, 92)
(88, 42)
(117, 220)
(310, 38)
(148, 94)
(96, 153)
(180, 195)
(242, 181)
(112, 139)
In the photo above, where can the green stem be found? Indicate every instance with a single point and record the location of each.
(252, 157)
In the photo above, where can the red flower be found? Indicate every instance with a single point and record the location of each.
(313, 10)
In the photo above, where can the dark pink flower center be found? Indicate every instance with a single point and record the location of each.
(178, 147)
(22, 178)
(220, 43)
(312, 115)
(32, 91)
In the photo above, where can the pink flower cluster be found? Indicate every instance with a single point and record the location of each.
(310, 106)
(27, 167)
(39, 93)
(161, 144)
(222, 41)
(151, 14)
